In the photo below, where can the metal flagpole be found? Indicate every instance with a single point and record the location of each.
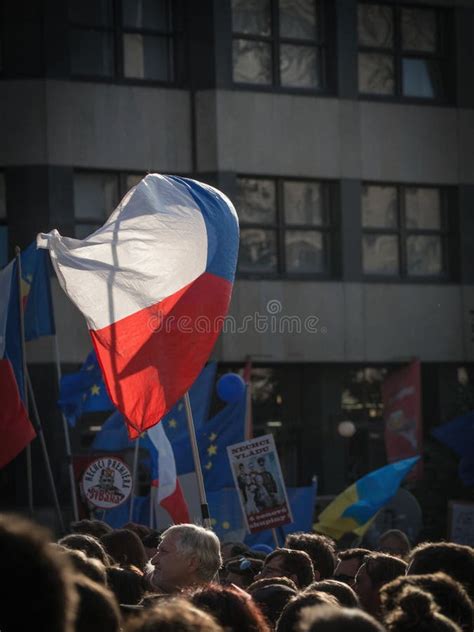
(67, 439)
(39, 430)
(206, 519)
(29, 465)
(134, 483)
(152, 504)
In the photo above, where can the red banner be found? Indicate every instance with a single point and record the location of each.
(401, 396)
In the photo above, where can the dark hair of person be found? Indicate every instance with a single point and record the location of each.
(417, 611)
(152, 540)
(231, 608)
(320, 548)
(88, 544)
(330, 619)
(448, 594)
(291, 615)
(38, 590)
(382, 568)
(173, 615)
(351, 554)
(271, 599)
(343, 593)
(297, 563)
(127, 585)
(98, 609)
(237, 548)
(456, 560)
(125, 548)
(97, 528)
(270, 581)
(88, 566)
(246, 568)
(140, 529)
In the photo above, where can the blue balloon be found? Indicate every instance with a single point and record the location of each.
(230, 388)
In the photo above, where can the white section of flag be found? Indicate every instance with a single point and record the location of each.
(5, 286)
(153, 245)
(167, 479)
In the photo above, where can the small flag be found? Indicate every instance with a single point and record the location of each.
(36, 293)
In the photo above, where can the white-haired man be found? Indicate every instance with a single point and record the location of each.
(188, 555)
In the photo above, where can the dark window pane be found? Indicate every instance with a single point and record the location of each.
(147, 57)
(379, 206)
(146, 14)
(419, 30)
(424, 255)
(380, 254)
(3, 246)
(256, 202)
(258, 252)
(91, 12)
(251, 16)
(376, 73)
(299, 66)
(298, 19)
(133, 179)
(423, 208)
(95, 195)
(92, 53)
(304, 203)
(305, 251)
(375, 25)
(422, 78)
(3, 197)
(252, 62)
(84, 230)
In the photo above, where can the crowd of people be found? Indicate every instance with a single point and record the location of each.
(96, 579)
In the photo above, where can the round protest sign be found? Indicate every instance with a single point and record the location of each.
(107, 482)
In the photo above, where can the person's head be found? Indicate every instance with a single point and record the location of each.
(234, 610)
(377, 570)
(37, 581)
(394, 542)
(416, 610)
(188, 555)
(97, 528)
(268, 581)
(271, 599)
(150, 542)
(98, 610)
(261, 463)
(296, 565)
(451, 598)
(290, 618)
(88, 566)
(455, 560)
(127, 585)
(241, 571)
(125, 548)
(233, 549)
(343, 593)
(320, 549)
(88, 544)
(140, 529)
(349, 563)
(327, 619)
(174, 615)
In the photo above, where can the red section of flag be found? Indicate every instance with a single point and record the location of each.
(16, 430)
(176, 506)
(401, 396)
(151, 358)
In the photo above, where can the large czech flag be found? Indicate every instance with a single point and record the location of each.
(154, 284)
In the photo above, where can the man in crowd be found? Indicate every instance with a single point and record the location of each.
(377, 569)
(187, 556)
(349, 563)
(296, 565)
(320, 549)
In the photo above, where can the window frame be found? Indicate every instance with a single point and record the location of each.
(444, 55)
(275, 40)
(445, 233)
(280, 226)
(118, 30)
(120, 179)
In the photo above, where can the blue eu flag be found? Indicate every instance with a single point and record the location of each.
(36, 293)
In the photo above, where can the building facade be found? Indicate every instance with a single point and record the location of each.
(344, 133)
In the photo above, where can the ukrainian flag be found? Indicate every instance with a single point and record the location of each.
(353, 510)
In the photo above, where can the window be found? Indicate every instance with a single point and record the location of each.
(405, 232)
(95, 197)
(278, 42)
(3, 223)
(130, 39)
(402, 51)
(285, 226)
